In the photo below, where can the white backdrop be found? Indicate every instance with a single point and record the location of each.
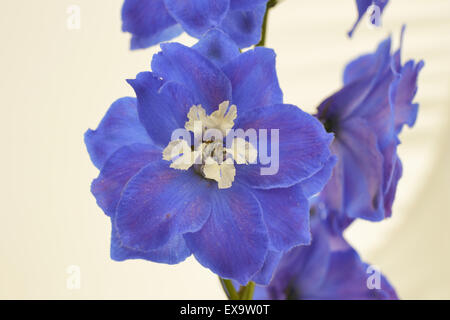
(56, 83)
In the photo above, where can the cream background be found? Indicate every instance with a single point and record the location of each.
(55, 83)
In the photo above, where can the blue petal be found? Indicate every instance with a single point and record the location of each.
(347, 280)
(197, 17)
(264, 275)
(301, 270)
(208, 84)
(149, 22)
(389, 195)
(359, 174)
(254, 79)
(217, 47)
(160, 203)
(286, 214)
(360, 68)
(119, 127)
(345, 102)
(142, 42)
(246, 4)
(303, 146)
(175, 251)
(233, 242)
(404, 89)
(317, 182)
(372, 65)
(162, 109)
(118, 170)
(363, 5)
(244, 26)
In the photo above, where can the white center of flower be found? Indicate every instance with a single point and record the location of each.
(211, 158)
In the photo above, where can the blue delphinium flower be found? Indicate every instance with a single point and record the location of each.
(328, 269)
(234, 220)
(366, 116)
(153, 21)
(363, 6)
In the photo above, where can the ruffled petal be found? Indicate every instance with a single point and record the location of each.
(160, 203)
(303, 147)
(349, 99)
(286, 214)
(175, 251)
(197, 17)
(347, 280)
(403, 91)
(208, 85)
(254, 79)
(162, 108)
(361, 175)
(317, 182)
(244, 26)
(301, 270)
(118, 170)
(149, 23)
(264, 275)
(392, 188)
(119, 127)
(233, 242)
(217, 47)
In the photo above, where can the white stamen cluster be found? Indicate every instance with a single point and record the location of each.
(210, 157)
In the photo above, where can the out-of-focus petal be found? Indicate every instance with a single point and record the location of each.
(197, 17)
(149, 23)
(361, 165)
(244, 26)
(217, 47)
(362, 6)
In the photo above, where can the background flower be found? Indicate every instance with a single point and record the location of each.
(328, 269)
(153, 21)
(366, 116)
(162, 214)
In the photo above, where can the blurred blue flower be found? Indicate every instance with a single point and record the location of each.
(234, 220)
(366, 116)
(328, 269)
(363, 6)
(153, 21)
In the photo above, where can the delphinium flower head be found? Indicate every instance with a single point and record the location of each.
(375, 8)
(153, 21)
(366, 116)
(214, 196)
(328, 269)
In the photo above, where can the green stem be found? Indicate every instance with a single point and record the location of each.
(270, 5)
(229, 289)
(245, 292)
(248, 291)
